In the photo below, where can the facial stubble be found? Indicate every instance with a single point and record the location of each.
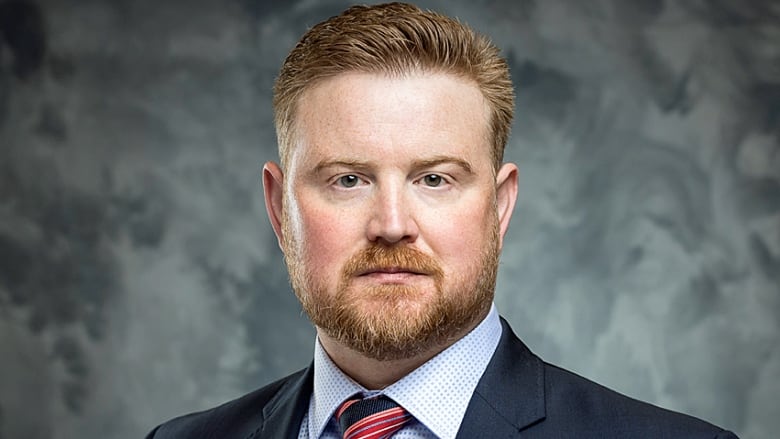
(396, 321)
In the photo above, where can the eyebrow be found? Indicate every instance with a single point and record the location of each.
(445, 160)
(354, 164)
(427, 163)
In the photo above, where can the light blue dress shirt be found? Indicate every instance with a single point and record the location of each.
(436, 394)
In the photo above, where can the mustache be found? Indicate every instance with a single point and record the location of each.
(400, 258)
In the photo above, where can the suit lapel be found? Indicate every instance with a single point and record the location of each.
(510, 395)
(283, 414)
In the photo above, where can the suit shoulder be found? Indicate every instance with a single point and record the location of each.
(233, 418)
(595, 407)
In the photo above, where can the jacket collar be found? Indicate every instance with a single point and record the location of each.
(510, 395)
(508, 398)
(282, 416)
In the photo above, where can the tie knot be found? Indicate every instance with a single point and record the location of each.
(374, 418)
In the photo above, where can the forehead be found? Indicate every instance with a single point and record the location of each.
(416, 114)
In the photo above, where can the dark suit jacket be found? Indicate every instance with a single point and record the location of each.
(518, 396)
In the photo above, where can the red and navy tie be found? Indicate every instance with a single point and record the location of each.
(371, 418)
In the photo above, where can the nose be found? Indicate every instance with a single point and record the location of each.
(392, 217)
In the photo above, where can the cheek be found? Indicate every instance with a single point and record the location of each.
(324, 240)
(459, 238)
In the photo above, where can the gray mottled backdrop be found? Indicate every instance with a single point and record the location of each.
(139, 278)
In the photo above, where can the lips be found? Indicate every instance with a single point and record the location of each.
(391, 264)
(390, 270)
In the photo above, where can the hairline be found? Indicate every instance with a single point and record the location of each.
(382, 71)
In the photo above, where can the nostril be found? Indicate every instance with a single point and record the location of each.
(392, 230)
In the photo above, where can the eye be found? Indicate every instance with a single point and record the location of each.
(348, 181)
(433, 180)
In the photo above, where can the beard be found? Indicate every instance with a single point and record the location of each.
(396, 321)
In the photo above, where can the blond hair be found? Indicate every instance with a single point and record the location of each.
(396, 39)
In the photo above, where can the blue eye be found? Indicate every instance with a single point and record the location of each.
(348, 180)
(433, 180)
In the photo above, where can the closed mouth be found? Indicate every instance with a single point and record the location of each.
(390, 270)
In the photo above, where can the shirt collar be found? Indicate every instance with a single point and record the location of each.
(443, 385)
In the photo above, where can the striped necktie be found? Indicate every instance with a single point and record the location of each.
(371, 418)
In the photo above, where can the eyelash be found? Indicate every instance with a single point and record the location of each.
(339, 181)
(440, 178)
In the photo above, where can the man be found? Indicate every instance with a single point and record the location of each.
(390, 204)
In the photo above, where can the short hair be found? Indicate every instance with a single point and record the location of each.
(394, 39)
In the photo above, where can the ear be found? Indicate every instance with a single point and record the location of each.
(273, 184)
(506, 196)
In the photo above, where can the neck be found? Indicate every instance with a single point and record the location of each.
(376, 374)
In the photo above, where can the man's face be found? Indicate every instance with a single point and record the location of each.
(390, 213)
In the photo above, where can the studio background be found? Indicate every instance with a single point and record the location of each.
(139, 278)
